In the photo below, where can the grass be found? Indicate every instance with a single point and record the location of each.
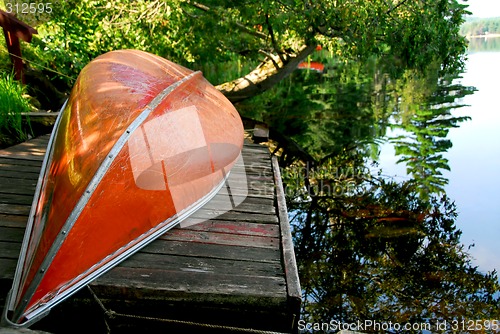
(12, 105)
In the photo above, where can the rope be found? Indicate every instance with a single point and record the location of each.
(101, 305)
(44, 67)
(112, 314)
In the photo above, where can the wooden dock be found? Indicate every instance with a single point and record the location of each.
(235, 272)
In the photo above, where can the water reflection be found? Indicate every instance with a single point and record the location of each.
(368, 247)
(482, 44)
(426, 121)
(475, 160)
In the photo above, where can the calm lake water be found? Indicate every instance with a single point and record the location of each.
(474, 180)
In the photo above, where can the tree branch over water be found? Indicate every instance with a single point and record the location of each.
(265, 76)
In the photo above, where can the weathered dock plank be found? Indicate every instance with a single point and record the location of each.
(13, 221)
(16, 199)
(232, 268)
(29, 150)
(12, 234)
(216, 251)
(221, 238)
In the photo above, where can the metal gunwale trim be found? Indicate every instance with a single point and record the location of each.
(29, 225)
(82, 202)
(137, 244)
(5, 321)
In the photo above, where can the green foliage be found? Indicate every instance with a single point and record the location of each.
(194, 34)
(12, 104)
(325, 113)
(81, 30)
(32, 13)
(5, 62)
(220, 72)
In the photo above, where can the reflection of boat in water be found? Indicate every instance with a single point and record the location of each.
(141, 144)
(312, 65)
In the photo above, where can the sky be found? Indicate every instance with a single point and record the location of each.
(484, 8)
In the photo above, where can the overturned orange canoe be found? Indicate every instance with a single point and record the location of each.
(140, 145)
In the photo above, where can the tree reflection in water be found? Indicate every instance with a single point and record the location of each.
(368, 247)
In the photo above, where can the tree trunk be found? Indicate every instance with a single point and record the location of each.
(265, 76)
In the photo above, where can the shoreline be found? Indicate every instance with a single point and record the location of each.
(484, 36)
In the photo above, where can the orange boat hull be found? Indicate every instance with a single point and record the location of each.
(140, 145)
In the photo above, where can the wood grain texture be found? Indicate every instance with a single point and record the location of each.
(230, 264)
